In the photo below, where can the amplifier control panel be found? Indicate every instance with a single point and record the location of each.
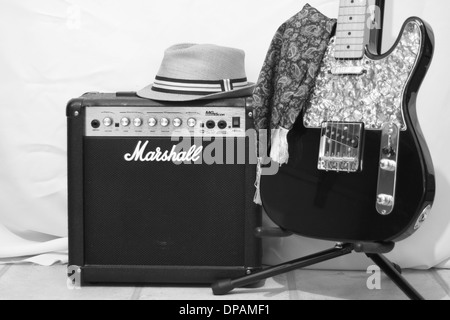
(165, 122)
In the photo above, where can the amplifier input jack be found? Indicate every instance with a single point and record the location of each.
(222, 125)
(95, 124)
(211, 124)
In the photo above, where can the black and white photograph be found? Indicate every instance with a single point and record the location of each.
(224, 156)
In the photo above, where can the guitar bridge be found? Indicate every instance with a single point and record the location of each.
(341, 147)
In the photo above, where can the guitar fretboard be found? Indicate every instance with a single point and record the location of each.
(352, 29)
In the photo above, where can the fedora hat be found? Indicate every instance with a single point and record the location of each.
(192, 72)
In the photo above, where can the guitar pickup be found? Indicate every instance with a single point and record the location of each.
(341, 147)
(347, 70)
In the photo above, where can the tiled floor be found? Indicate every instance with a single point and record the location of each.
(33, 282)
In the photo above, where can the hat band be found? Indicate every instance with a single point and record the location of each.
(197, 87)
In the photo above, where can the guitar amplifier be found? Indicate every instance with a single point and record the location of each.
(161, 192)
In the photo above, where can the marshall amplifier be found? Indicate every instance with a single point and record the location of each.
(161, 192)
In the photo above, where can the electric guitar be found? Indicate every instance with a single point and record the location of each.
(359, 168)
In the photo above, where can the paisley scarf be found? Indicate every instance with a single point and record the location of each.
(288, 76)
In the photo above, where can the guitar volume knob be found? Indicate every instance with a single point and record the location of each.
(385, 200)
(388, 165)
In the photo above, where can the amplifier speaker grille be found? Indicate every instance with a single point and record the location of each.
(142, 213)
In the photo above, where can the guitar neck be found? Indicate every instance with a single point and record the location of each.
(352, 32)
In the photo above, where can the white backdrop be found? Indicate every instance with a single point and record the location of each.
(55, 50)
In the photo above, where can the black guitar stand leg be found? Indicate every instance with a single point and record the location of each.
(393, 273)
(373, 250)
(226, 286)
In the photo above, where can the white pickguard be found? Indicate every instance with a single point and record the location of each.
(374, 97)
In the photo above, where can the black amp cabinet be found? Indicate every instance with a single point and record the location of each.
(161, 192)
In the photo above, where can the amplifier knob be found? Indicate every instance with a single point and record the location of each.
(152, 122)
(165, 122)
(177, 122)
(137, 122)
(192, 122)
(125, 122)
(107, 122)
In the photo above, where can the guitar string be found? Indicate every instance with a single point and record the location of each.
(333, 158)
(353, 140)
(335, 125)
(341, 147)
(336, 134)
(327, 153)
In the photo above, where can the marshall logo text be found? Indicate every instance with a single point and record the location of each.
(141, 154)
(218, 151)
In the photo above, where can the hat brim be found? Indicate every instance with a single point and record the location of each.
(148, 93)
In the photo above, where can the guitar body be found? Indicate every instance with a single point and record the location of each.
(332, 203)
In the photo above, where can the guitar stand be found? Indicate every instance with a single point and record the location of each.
(374, 251)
